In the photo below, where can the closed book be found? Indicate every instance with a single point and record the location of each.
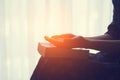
(49, 50)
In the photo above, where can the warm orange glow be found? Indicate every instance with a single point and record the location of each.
(48, 50)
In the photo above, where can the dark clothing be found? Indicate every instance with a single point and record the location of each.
(116, 15)
(114, 27)
(101, 66)
(75, 69)
(114, 30)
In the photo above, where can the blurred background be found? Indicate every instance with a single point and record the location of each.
(24, 23)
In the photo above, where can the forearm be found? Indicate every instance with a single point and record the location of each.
(100, 37)
(109, 46)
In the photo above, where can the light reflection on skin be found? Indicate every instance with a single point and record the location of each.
(59, 41)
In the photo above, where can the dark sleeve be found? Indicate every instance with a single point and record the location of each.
(114, 27)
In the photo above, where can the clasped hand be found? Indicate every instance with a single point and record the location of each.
(68, 41)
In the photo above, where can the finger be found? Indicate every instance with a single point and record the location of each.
(63, 36)
(54, 41)
(58, 39)
(67, 35)
(56, 36)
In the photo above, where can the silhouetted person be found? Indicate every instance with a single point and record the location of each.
(104, 65)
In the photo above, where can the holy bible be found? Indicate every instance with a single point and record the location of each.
(49, 50)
